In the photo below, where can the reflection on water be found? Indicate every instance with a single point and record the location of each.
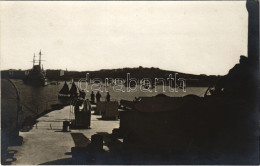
(36, 100)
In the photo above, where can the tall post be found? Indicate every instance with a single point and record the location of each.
(253, 40)
(253, 57)
(253, 31)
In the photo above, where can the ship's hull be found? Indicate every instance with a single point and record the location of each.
(36, 77)
(36, 82)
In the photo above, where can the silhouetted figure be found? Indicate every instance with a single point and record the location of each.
(76, 107)
(237, 82)
(108, 97)
(92, 97)
(98, 96)
(82, 94)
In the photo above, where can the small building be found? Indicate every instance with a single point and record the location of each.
(13, 74)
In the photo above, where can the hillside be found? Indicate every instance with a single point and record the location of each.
(138, 73)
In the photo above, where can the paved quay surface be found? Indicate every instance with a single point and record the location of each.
(45, 142)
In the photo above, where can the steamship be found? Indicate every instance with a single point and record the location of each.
(36, 76)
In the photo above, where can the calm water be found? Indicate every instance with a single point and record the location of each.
(35, 100)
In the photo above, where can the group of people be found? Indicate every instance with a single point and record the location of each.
(98, 97)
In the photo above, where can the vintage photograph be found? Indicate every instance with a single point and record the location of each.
(129, 82)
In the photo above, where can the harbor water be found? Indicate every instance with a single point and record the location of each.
(37, 100)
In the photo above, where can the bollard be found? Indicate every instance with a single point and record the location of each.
(65, 126)
(97, 142)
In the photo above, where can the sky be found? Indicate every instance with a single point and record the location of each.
(185, 36)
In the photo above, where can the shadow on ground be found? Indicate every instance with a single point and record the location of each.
(7, 156)
(83, 153)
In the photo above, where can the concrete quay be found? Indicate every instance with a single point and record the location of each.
(45, 143)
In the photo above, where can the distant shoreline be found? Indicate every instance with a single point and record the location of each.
(193, 80)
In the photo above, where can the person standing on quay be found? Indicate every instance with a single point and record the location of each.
(98, 96)
(108, 97)
(92, 97)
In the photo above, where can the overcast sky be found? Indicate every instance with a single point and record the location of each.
(192, 37)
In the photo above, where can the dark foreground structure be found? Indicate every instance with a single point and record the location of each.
(10, 121)
(220, 128)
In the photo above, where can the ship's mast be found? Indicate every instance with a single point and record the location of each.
(33, 59)
(40, 56)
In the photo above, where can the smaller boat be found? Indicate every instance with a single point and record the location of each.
(64, 92)
(73, 90)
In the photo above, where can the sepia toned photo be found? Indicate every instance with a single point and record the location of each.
(129, 82)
